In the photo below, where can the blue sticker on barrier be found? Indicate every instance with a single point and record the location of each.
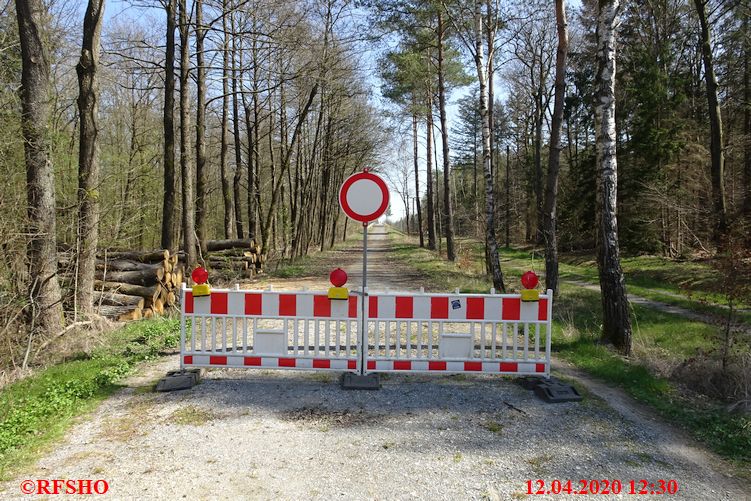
(456, 304)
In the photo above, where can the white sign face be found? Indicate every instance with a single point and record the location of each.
(364, 197)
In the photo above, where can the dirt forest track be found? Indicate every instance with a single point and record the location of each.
(297, 435)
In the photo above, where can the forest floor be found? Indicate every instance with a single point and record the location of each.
(297, 435)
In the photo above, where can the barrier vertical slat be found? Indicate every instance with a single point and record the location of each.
(493, 344)
(387, 329)
(526, 341)
(317, 337)
(234, 334)
(504, 340)
(255, 329)
(472, 332)
(328, 337)
(338, 338)
(515, 333)
(430, 338)
(419, 338)
(347, 337)
(224, 333)
(537, 341)
(408, 326)
(295, 335)
(306, 336)
(193, 334)
(202, 326)
(482, 341)
(245, 335)
(440, 334)
(182, 323)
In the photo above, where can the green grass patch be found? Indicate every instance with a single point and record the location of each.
(192, 415)
(694, 285)
(40, 408)
(728, 434)
(577, 327)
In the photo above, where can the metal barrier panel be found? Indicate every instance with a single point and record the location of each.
(406, 332)
(269, 329)
(459, 333)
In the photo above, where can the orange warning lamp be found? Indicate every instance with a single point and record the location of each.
(338, 278)
(201, 277)
(529, 282)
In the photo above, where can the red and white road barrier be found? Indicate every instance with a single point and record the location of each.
(269, 329)
(489, 333)
(407, 332)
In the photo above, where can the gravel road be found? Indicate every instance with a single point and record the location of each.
(297, 435)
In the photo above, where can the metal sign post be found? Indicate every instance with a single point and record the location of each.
(363, 318)
(363, 197)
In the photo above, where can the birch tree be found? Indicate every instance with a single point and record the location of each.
(483, 73)
(616, 322)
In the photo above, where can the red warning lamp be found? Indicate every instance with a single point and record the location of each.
(529, 282)
(200, 277)
(338, 277)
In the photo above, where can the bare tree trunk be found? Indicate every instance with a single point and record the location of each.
(186, 166)
(482, 75)
(746, 122)
(237, 143)
(554, 159)
(88, 156)
(715, 127)
(508, 196)
(616, 325)
(229, 208)
(201, 195)
(429, 162)
(417, 180)
(46, 311)
(447, 208)
(255, 187)
(171, 188)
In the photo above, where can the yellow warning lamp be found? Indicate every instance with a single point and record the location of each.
(529, 282)
(338, 278)
(200, 277)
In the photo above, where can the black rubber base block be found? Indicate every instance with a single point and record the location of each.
(352, 381)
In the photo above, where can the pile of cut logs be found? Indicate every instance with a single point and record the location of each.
(130, 285)
(235, 257)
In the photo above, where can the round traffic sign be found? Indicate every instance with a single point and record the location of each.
(364, 197)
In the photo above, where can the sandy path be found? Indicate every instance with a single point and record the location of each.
(297, 435)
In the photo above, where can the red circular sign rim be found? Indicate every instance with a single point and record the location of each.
(363, 218)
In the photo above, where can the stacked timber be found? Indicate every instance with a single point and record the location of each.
(232, 258)
(130, 285)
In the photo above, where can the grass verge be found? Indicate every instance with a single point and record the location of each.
(576, 332)
(37, 410)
